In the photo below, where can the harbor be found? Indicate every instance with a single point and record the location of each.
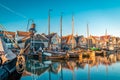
(77, 69)
(29, 56)
(59, 40)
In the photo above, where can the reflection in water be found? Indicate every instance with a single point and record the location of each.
(93, 68)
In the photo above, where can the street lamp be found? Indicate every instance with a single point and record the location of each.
(29, 23)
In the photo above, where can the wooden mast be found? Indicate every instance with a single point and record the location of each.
(72, 30)
(61, 29)
(106, 32)
(88, 35)
(49, 21)
(87, 31)
(49, 27)
(72, 25)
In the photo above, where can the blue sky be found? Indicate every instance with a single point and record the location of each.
(99, 14)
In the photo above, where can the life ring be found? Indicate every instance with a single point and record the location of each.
(20, 64)
(0, 61)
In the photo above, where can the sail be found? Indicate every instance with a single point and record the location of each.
(7, 52)
(1, 47)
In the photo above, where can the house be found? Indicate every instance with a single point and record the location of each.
(37, 42)
(95, 41)
(104, 40)
(55, 41)
(78, 39)
(8, 37)
(40, 41)
(89, 43)
(118, 42)
(9, 34)
(21, 38)
(69, 41)
(81, 41)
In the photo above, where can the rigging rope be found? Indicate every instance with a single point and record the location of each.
(7, 34)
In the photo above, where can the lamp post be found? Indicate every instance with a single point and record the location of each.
(29, 23)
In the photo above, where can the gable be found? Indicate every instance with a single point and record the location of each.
(23, 34)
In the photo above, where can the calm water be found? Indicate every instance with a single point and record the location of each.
(97, 68)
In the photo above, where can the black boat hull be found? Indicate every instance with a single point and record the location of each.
(8, 71)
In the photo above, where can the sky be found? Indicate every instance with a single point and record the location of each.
(98, 14)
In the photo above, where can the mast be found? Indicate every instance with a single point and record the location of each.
(48, 21)
(88, 35)
(106, 32)
(87, 31)
(106, 38)
(72, 25)
(72, 30)
(61, 29)
(49, 27)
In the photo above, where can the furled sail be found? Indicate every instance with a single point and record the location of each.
(1, 47)
(5, 51)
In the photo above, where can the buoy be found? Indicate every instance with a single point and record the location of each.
(20, 64)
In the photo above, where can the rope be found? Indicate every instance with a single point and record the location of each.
(20, 64)
(7, 34)
(23, 50)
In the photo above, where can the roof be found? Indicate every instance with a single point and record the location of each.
(51, 35)
(67, 38)
(9, 33)
(40, 37)
(43, 34)
(96, 38)
(105, 38)
(22, 33)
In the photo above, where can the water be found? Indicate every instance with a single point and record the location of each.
(96, 68)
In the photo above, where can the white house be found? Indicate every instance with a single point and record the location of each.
(55, 40)
(21, 37)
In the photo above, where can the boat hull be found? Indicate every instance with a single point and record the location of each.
(8, 71)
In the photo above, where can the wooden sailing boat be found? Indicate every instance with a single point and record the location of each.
(8, 61)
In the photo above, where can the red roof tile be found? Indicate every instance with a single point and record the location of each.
(21, 33)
